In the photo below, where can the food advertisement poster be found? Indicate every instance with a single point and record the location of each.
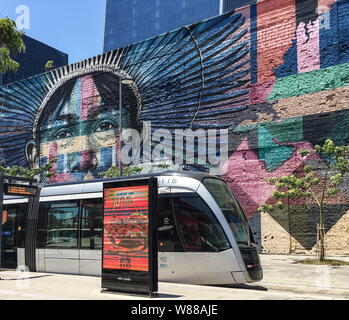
(126, 228)
(130, 253)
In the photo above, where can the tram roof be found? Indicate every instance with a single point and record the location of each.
(191, 174)
(89, 186)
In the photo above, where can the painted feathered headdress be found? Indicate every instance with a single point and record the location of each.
(193, 77)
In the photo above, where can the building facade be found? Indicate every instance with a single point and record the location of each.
(275, 74)
(229, 5)
(137, 20)
(33, 60)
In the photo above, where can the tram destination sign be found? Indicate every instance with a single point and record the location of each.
(20, 190)
(129, 236)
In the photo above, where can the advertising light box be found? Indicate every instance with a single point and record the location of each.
(129, 237)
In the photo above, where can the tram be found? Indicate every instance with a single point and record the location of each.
(203, 234)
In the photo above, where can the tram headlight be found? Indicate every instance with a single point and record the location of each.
(251, 258)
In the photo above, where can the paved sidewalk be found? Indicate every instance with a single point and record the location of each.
(283, 280)
(35, 286)
(281, 272)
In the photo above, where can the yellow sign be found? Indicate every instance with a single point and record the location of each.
(20, 190)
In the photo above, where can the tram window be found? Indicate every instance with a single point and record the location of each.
(199, 227)
(231, 209)
(42, 226)
(167, 233)
(62, 225)
(91, 224)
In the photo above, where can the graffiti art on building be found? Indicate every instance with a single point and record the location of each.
(196, 76)
(275, 73)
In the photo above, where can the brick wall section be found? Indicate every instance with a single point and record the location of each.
(300, 98)
(276, 238)
(275, 31)
(337, 239)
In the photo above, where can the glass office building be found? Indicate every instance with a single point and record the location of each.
(33, 61)
(229, 5)
(131, 21)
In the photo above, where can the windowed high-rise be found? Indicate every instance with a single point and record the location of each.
(33, 60)
(233, 4)
(131, 21)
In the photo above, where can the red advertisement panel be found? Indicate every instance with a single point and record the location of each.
(126, 222)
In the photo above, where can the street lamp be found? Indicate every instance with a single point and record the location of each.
(126, 81)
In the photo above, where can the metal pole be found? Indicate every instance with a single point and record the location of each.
(120, 123)
(1, 210)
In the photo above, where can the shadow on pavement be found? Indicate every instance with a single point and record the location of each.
(19, 277)
(244, 286)
(168, 296)
(159, 295)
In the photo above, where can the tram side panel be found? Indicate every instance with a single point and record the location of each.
(175, 264)
(195, 243)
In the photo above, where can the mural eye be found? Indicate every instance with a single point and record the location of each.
(105, 126)
(63, 135)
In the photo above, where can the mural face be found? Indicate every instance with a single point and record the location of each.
(81, 131)
(194, 77)
(275, 73)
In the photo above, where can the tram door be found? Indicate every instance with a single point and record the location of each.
(13, 235)
(174, 264)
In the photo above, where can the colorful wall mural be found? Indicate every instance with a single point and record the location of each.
(276, 74)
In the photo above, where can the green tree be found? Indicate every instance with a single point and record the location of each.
(114, 172)
(316, 182)
(11, 42)
(21, 172)
(49, 65)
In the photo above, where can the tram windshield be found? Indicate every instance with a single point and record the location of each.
(231, 209)
(198, 225)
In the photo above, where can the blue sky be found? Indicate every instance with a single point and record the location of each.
(72, 26)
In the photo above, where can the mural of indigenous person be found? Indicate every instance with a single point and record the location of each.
(80, 128)
(195, 77)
